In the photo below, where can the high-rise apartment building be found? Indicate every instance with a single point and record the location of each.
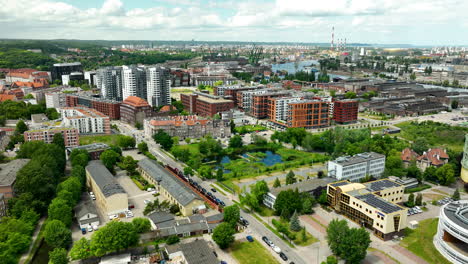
(109, 81)
(158, 82)
(134, 82)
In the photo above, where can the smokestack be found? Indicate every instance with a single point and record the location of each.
(333, 37)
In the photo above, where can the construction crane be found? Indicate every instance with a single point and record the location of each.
(255, 55)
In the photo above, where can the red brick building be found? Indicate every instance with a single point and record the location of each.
(345, 111)
(108, 107)
(189, 101)
(70, 135)
(205, 104)
(134, 110)
(261, 103)
(296, 112)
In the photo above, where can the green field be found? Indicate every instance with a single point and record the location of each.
(419, 241)
(437, 134)
(249, 129)
(107, 139)
(251, 253)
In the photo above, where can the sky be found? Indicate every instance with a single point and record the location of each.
(417, 22)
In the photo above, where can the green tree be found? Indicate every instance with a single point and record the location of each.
(294, 223)
(113, 237)
(445, 174)
(21, 127)
(454, 104)
(350, 95)
(58, 256)
(126, 142)
(420, 145)
(219, 174)
(290, 178)
(73, 186)
(235, 142)
(456, 195)
(232, 126)
(188, 171)
(410, 202)
(58, 140)
(277, 183)
(109, 158)
(223, 235)
(231, 214)
(81, 249)
(143, 147)
(141, 224)
(56, 234)
(60, 210)
(288, 201)
(418, 200)
(413, 76)
(171, 240)
(259, 190)
(164, 139)
(347, 243)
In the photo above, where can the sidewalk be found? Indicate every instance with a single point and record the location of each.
(25, 255)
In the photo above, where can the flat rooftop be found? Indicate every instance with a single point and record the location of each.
(213, 100)
(457, 211)
(375, 186)
(379, 203)
(358, 158)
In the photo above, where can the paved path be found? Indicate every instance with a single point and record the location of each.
(25, 255)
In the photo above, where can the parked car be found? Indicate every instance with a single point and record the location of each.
(250, 238)
(222, 203)
(150, 189)
(112, 217)
(131, 206)
(147, 201)
(277, 249)
(283, 256)
(266, 240)
(95, 227)
(83, 231)
(213, 190)
(90, 228)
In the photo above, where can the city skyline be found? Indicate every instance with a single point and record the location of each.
(372, 22)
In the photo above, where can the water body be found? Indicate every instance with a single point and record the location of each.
(269, 160)
(293, 67)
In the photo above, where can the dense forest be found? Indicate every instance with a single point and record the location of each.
(17, 58)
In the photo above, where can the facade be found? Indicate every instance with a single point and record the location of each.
(260, 104)
(208, 105)
(238, 117)
(464, 162)
(55, 100)
(8, 173)
(60, 69)
(451, 239)
(70, 135)
(134, 82)
(111, 198)
(180, 78)
(435, 157)
(345, 111)
(407, 156)
(86, 214)
(109, 81)
(110, 108)
(90, 77)
(189, 101)
(372, 205)
(313, 186)
(199, 79)
(187, 126)
(73, 76)
(158, 82)
(134, 110)
(169, 186)
(354, 168)
(297, 112)
(85, 120)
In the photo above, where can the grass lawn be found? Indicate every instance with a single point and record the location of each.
(251, 253)
(181, 90)
(107, 139)
(265, 211)
(310, 239)
(419, 241)
(249, 129)
(437, 134)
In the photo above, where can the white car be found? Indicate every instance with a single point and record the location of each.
(277, 249)
(95, 227)
(90, 228)
(111, 217)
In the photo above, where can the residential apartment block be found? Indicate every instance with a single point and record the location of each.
(110, 108)
(187, 126)
(158, 82)
(345, 111)
(70, 135)
(109, 81)
(372, 205)
(85, 120)
(354, 168)
(205, 104)
(297, 112)
(55, 100)
(134, 82)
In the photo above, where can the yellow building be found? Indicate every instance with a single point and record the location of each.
(372, 205)
(464, 162)
(171, 188)
(111, 198)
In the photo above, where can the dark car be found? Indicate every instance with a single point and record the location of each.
(213, 189)
(283, 256)
(83, 231)
(131, 206)
(222, 203)
(250, 238)
(203, 190)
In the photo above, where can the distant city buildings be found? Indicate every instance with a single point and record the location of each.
(85, 120)
(205, 104)
(180, 78)
(27, 75)
(70, 135)
(187, 126)
(109, 81)
(357, 167)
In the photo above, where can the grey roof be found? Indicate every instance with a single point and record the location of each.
(183, 194)
(457, 211)
(39, 118)
(196, 218)
(358, 158)
(379, 203)
(160, 217)
(195, 252)
(215, 218)
(91, 147)
(303, 186)
(85, 208)
(9, 170)
(103, 178)
(379, 185)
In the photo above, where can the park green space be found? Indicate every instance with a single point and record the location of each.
(436, 134)
(251, 253)
(249, 129)
(420, 241)
(107, 139)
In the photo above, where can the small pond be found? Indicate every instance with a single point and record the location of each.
(268, 159)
